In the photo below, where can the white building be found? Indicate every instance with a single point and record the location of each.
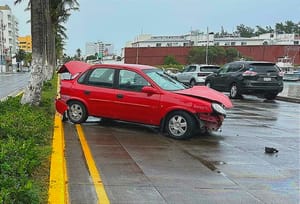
(102, 49)
(195, 38)
(8, 36)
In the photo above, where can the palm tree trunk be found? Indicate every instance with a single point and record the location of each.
(32, 93)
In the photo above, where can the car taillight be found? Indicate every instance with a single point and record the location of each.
(280, 74)
(249, 73)
(201, 74)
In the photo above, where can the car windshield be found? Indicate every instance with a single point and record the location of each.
(163, 80)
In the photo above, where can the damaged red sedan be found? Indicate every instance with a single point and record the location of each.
(140, 94)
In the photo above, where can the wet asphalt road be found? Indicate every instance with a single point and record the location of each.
(12, 83)
(139, 165)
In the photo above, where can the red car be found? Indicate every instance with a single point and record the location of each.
(140, 94)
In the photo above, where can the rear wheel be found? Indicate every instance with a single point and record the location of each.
(270, 96)
(180, 125)
(234, 91)
(193, 82)
(77, 112)
(208, 84)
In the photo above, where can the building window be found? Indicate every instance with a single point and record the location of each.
(232, 43)
(243, 43)
(158, 44)
(296, 42)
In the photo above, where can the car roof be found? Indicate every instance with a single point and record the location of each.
(75, 67)
(130, 66)
(201, 65)
(254, 62)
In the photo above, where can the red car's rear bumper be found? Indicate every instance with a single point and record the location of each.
(61, 106)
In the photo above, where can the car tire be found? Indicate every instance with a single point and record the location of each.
(180, 125)
(208, 84)
(77, 112)
(64, 117)
(234, 91)
(270, 96)
(192, 82)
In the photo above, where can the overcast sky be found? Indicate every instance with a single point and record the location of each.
(119, 21)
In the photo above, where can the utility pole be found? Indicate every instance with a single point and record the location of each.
(206, 53)
(137, 51)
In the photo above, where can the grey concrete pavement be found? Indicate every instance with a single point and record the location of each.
(139, 165)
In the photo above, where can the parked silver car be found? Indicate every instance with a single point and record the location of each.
(194, 74)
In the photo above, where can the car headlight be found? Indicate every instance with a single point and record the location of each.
(218, 108)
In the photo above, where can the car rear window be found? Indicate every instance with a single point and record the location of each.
(263, 67)
(209, 69)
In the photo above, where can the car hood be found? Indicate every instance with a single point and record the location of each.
(74, 67)
(207, 93)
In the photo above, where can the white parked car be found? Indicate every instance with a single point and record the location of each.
(194, 74)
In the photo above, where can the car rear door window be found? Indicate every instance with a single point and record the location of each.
(101, 77)
(191, 69)
(209, 68)
(224, 69)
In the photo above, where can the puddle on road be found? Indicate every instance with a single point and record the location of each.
(209, 164)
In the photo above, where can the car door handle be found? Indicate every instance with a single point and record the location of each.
(86, 92)
(120, 96)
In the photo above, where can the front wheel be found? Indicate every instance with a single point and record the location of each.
(180, 125)
(77, 112)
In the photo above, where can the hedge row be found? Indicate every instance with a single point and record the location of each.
(25, 148)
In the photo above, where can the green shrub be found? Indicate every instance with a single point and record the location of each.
(18, 160)
(25, 138)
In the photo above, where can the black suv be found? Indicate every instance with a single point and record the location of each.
(248, 77)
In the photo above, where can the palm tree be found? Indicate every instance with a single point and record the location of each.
(32, 93)
(46, 18)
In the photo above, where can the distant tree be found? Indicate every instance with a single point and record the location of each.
(216, 55)
(245, 31)
(91, 57)
(28, 58)
(21, 55)
(260, 30)
(287, 27)
(197, 55)
(170, 60)
(78, 54)
(231, 54)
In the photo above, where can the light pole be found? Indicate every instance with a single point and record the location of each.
(206, 51)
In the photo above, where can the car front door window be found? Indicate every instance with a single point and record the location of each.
(131, 81)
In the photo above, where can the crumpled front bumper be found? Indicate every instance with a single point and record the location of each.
(211, 122)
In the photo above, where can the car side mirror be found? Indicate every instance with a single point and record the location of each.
(150, 90)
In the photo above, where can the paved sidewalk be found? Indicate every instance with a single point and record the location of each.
(290, 93)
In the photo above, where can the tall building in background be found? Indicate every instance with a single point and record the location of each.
(100, 48)
(8, 36)
(25, 43)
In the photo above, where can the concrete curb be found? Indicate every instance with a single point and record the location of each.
(288, 99)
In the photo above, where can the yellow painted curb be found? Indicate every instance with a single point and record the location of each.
(58, 191)
(58, 188)
(99, 187)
